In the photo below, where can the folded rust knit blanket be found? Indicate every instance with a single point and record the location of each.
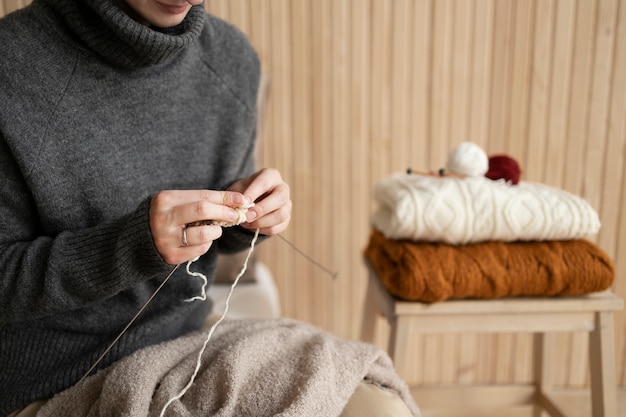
(429, 272)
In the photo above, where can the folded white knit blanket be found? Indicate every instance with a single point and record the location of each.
(475, 209)
(250, 368)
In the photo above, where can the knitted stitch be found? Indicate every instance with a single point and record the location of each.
(476, 209)
(430, 272)
(98, 113)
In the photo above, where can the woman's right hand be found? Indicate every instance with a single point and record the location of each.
(172, 210)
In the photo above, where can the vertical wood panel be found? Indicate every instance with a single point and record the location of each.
(302, 149)
(461, 69)
(340, 162)
(534, 165)
(502, 67)
(281, 157)
(219, 8)
(521, 69)
(613, 234)
(360, 186)
(400, 76)
(322, 212)
(560, 91)
(441, 90)
(240, 14)
(381, 89)
(481, 72)
(577, 133)
(362, 88)
(420, 87)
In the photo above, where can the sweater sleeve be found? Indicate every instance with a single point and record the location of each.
(43, 274)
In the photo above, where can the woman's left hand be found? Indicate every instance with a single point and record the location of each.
(272, 203)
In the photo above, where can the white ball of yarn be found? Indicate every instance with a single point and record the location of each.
(468, 159)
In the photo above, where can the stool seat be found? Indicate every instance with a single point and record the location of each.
(542, 316)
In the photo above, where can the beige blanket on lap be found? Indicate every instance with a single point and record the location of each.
(250, 368)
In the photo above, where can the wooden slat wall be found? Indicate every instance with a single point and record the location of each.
(363, 88)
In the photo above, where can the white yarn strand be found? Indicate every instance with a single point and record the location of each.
(241, 217)
(202, 277)
(214, 326)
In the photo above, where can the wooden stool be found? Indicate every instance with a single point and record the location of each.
(591, 313)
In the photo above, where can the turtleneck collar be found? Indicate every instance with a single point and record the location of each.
(106, 30)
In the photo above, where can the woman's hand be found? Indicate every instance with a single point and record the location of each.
(272, 209)
(171, 211)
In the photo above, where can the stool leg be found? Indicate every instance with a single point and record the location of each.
(602, 363)
(370, 315)
(399, 344)
(543, 376)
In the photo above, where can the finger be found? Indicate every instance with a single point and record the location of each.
(170, 211)
(274, 229)
(263, 182)
(180, 255)
(166, 200)
(278, 198)
(199, 235)
(272, 221)
(228, 198)
(176, 253)
(187, 243)
(203, 212)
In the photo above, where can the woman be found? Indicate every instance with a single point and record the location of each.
(121, 123)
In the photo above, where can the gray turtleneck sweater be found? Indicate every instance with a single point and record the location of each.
(98, 113)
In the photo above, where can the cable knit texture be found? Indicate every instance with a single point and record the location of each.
(476, 209)
(98, 113)
(429, 272)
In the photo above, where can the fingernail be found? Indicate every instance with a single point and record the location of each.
(251, 215)
(238, 199)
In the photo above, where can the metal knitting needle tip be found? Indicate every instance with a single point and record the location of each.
(333, 274)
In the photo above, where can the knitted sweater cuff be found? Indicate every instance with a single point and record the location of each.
(130, 254)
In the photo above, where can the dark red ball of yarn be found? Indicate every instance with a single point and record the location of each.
(503, 167)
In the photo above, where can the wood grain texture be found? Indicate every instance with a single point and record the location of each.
(363, 88)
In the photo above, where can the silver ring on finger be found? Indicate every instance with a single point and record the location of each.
(185, 243)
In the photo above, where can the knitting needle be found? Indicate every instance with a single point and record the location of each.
(333, 274)
(108, 349)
